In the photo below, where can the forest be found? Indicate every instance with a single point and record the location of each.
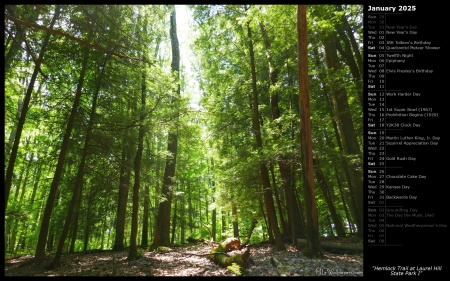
(183, 140)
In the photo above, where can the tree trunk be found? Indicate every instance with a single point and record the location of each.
(125, 174)
(78, 188)
(182, 215)
(235, 219)
(23, 114)
(269, 229)
(350, 33)
(174, 221)
(312, 226)
(278, 201)
(144, 241)
(249, 233)
(339, 144)
(329, 200)
(294, 222)
(268, 199)
(346, 130)
(349, 53)
(133, 254)
(87, 225)
(162, 230)
(20, 35)
(40, 249)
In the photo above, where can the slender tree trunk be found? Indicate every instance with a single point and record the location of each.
(312, 248)
(268, 199)
(125, 174)
(269, 229)
(214, 211)
(294, 222)
(224, 225)
(182, 216)
(87, 226)
(339, 183)
(40, 249)
(350, 52)
(78, 188)
(235, 219)
(346, 130)
(345, 164)
(174, 221)
(133, 254)
(340, 231)
(144, 241)
(162, 230)
(278, 201)
(190, 209)
(350, 33)
(23, 114)
(51, 235)
(19, 37)
(12, 135)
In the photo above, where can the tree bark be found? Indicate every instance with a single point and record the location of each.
(162, 230)
(174, 221)
(235, 219)
(313, 248)
(250, 232)
(124, 183)
(144, 241)
(133, 254)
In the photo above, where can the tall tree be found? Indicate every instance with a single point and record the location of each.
(162, 229)
(133, 254)
(78, 188)
(327, 191)
(346, 129)
(294, 221)
(312, 248)
(265, 180)
(25, 106)
(40, 248)
(124, 184)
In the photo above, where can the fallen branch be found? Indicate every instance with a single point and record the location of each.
(250, 231)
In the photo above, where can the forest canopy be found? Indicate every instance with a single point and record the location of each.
(119, 134)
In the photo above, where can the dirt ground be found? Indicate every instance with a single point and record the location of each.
(190, 260)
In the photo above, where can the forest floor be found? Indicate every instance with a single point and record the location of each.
(190, 260)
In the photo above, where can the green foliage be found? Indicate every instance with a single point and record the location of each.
(217, 162)
(235, 268)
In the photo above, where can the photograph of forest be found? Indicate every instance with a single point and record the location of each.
(183, 140)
